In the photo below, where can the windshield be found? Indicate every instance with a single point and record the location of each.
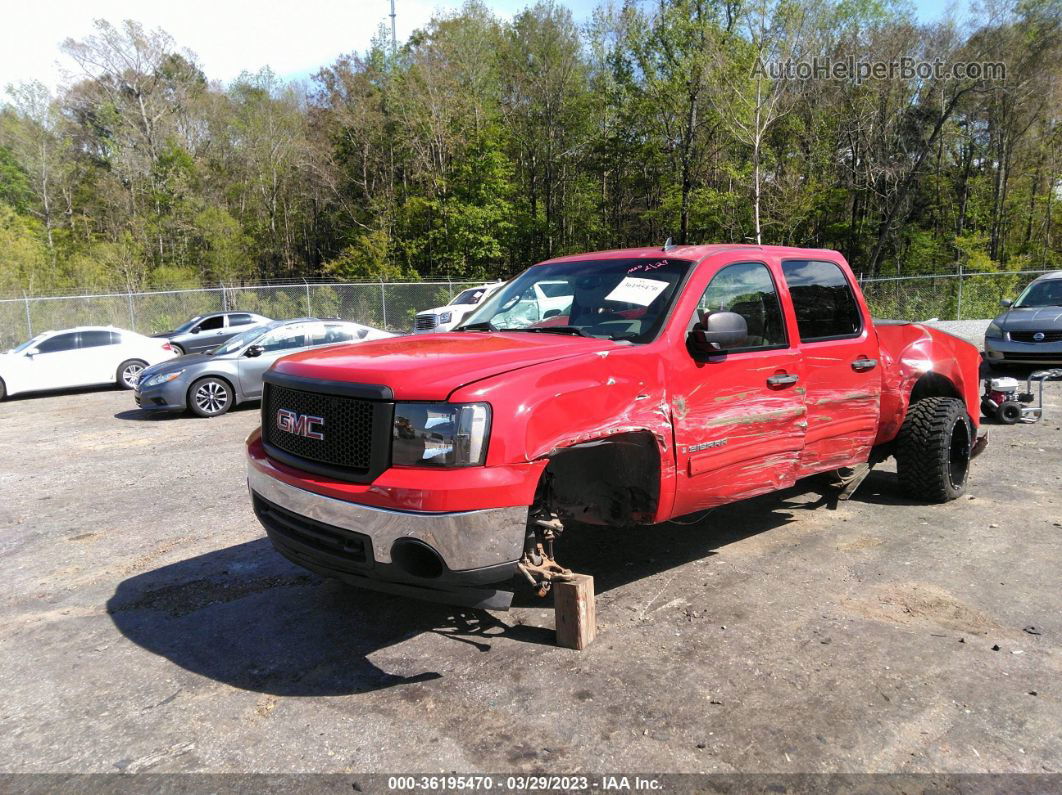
(617, 299)
(469, 296)
(1047, 293)
(237, 342)
(28, 344)
(187, 325)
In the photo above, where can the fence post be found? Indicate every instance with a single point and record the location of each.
(129, 301)
(309, 309)
(383, 303)
(224, 298)
(958, 302)
(29, 319)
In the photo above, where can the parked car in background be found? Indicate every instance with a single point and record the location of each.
(83, 356)
(446, 318)
(1030, 330)
(203, 332)
(209, 384)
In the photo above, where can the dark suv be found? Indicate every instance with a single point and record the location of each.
(203, 332)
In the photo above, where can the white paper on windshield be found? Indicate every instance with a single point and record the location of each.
(633, 290)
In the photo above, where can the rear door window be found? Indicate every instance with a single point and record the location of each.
(240, 320)
(823, 300)
(98, 339)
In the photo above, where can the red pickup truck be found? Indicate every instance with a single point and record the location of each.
(662, 382)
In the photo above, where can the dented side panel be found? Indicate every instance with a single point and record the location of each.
(735, 436)
(843, 403)
(911, 351)
(542, 410)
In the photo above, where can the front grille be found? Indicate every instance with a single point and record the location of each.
(1027, 336)
(1031, 357)
(347, 427)
(306, 534)
(425, 322)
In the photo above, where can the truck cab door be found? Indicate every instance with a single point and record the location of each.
(842, 375)
(738, 416)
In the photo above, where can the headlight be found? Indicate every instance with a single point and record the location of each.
(440, 434)
(994, 331)
(164, 378)
(446, 317)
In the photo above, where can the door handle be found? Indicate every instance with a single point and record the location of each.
(863, 364)
(782, 380)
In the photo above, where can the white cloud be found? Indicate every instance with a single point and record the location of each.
(294, 37)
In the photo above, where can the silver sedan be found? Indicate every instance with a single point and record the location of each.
(1029, 332)
(209, 384)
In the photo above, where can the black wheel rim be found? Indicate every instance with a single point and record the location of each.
(959, 454)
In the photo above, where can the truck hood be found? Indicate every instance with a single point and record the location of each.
(431, 367)
(1033, 318)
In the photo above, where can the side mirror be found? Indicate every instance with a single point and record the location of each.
(716, 332)
(1005, 303)
(32, 352)
(253, 351)
(194, 331)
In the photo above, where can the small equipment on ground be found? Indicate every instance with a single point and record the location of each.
(1004, 402)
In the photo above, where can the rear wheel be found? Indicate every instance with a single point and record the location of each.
(933, 449)
(129, 372)
(210, 397)
(3, 389)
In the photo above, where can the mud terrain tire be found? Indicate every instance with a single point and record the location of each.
(933, 449)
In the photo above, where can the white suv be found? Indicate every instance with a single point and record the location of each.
(446, 318)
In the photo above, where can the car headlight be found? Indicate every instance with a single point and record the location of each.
(446, 317)
(163, 378)
(440, 434)
(994, 331)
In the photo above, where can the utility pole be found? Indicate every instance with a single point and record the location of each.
(394, 38)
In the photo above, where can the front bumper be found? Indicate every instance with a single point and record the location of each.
(1032, 353)
(172, 396)
(354, 543)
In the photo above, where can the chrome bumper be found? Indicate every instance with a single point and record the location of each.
(464, 539)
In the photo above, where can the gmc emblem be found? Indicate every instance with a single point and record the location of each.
(299, 424)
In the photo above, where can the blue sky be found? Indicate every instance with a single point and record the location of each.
(229, 36)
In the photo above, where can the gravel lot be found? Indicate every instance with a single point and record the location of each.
(148, 626)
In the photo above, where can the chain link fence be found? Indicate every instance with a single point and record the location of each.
(956, 296)
(960, 296)
(384, 306)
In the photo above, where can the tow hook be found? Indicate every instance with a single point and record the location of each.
(538, 563)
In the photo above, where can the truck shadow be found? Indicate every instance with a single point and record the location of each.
(246, 617)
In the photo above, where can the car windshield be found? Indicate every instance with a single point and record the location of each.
(469, 296)
(240, 340)
(1048, 293)
(25, 346)
(187, 325)
(617, 299)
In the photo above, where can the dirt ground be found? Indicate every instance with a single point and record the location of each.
(147, 625)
